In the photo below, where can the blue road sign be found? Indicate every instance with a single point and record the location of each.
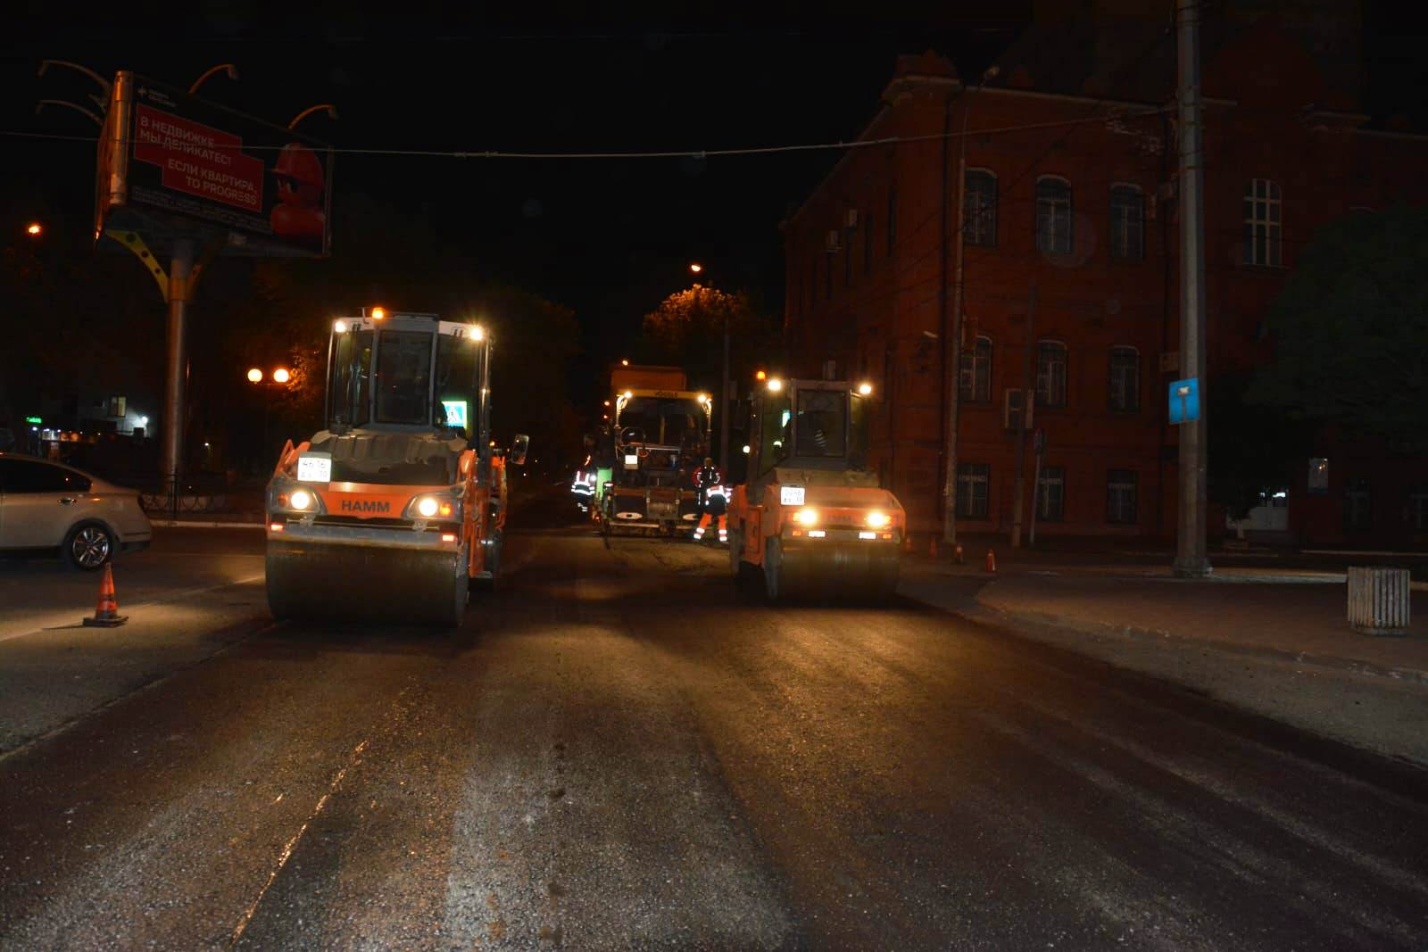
(1185, 400)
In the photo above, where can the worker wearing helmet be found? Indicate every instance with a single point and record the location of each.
(705, 477)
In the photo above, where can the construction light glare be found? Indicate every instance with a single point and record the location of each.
(877, 519)
(806, 517)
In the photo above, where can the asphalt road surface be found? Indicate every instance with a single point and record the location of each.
(615, 753)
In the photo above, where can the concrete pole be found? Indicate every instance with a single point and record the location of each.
(1190, 556)
(179, 295)
(724, 409)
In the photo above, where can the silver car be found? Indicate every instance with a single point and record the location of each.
(47, 506)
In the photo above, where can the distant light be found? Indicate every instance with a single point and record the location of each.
(760, 375)
(34, 228)
(775, 384)
(696, 267)
(865, 388)
(629, 394)
(704, 398)
(625, 363)
(281, 375)
(479, 333)
(378, 313)
(255, 375)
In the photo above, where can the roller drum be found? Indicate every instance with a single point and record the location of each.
(865, 574)
(326, 583)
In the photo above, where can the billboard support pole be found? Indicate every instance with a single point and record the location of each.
(180, 293)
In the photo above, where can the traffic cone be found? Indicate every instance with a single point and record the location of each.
(106, 614)
(907, 542)
(991, 561)
(958, 555)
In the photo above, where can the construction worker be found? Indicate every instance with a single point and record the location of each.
(705, 477)
(716, 507)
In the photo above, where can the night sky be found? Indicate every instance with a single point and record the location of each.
(609, 237)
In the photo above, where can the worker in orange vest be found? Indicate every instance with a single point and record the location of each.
(716, 506)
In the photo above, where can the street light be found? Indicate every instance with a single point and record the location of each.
(697, 268)
(277, 379)
(34, 229)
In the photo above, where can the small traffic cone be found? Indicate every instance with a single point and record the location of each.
(991, 561)
(959, 555)
(106, 614)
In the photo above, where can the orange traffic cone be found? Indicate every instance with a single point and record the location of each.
(957, 554)
(991, 561)
(106, 615)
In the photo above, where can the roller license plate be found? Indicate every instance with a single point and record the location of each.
(314, 468)
(790, 495)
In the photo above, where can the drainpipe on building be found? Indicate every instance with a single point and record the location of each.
(952, 328)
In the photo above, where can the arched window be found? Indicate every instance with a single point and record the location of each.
(979, 208)
(1053, 216)
(1127, 223)
(1263, 225)
(1125, 380)
(1051, 374)
(975, 380)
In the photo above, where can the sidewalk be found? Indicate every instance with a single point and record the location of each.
(1289, 614)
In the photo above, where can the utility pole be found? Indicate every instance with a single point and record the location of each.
(1190, 556)
(1028, 400)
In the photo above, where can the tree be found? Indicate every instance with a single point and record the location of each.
(1252, 448)
(1351, 329)
(687, 330)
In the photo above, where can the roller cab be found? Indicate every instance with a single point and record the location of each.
(812, 521)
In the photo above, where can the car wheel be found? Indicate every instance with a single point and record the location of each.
(88, 546)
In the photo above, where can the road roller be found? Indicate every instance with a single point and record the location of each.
(811, 521)
(396, 510)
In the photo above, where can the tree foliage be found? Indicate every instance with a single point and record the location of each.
(1351, 328)
(687, 330)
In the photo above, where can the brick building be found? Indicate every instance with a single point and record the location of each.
(1067, 222)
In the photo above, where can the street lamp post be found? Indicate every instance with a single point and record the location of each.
(697, 268)
(278, 379)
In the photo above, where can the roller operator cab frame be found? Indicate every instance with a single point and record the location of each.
(397, 509)
(812, 521)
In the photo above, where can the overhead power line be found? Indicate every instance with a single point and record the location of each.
(656, 154)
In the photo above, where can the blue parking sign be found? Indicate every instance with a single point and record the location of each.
(1185, 400)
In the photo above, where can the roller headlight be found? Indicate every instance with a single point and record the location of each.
(877, 519)
(301, 500)
(434, 506)
(806, 517)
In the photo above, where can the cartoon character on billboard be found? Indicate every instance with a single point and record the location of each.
(298, 212)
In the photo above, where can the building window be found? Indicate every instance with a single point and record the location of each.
(1263, 224)
(1051, 494)
(973, 480)
(979, 209)
(1125, 380)
(1418, 508)
(975, 379)
(1358, 514)
(1121, 496)
(1127, 223)
(1053, 216)
(1051, 374)
(868, 244)
(892, 218)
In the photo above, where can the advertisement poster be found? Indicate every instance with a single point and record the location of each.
(187, 162)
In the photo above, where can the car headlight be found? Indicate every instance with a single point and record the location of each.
(877, 519)
(806, 517)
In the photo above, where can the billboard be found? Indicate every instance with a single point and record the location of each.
(174, 166)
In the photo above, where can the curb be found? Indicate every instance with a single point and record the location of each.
(197, 524)
(983, 613)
